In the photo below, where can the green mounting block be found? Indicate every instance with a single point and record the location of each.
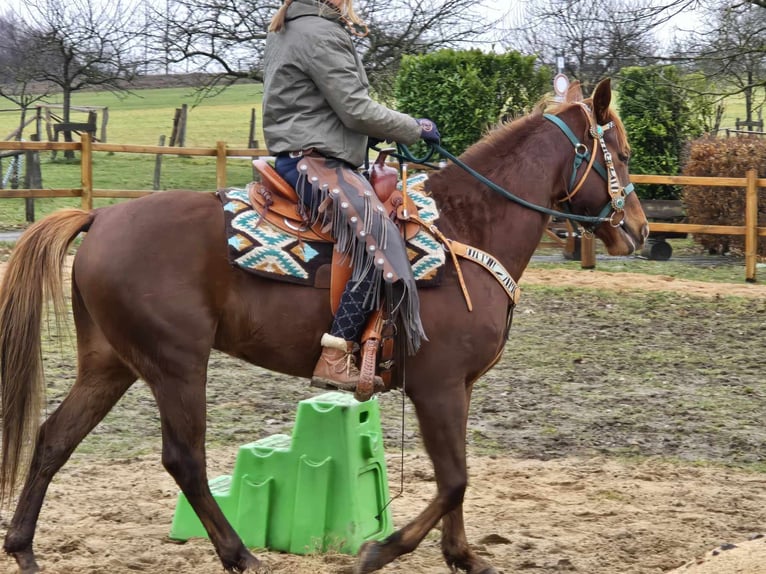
(324, 489)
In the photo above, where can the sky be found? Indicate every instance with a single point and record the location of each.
(509, 12)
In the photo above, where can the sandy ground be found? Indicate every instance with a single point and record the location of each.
(740, 557)
(573, 515)
(590, 515)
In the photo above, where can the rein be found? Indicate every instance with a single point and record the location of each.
(617, 193)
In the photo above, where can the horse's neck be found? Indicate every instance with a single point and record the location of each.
(488, 221)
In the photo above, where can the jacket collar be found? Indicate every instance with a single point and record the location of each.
(301, 8)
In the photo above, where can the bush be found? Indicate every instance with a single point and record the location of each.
(467, 91)
(724, 205)
(659, 122)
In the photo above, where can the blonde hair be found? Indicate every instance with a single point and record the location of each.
(344, 7)
(278, 20)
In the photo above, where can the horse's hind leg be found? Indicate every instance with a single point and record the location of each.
(457, 553)
(102, 378)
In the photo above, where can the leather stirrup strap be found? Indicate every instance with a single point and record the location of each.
(371, 340)
(340, 273)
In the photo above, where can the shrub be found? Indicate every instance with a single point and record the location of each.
(724, 205)
(467, 91)
(659, 122)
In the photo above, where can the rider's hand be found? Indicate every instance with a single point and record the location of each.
(428, 131)
(372, 142)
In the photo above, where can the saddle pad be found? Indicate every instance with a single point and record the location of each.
(259, 247)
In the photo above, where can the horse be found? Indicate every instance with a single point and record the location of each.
(153, 292)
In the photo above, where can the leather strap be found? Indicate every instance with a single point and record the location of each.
(366, 385)
(283, 214)
(339, 275)
(275, 182)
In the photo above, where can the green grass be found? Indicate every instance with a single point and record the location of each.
(735, 108)
(140, 118)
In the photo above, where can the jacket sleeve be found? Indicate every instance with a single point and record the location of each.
(334, 68)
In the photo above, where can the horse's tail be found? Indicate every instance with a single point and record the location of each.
(33, 276)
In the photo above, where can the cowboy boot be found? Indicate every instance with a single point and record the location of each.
(336, 368)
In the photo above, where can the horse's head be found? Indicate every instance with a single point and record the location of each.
(600, 183)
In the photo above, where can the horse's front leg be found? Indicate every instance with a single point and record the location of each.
(442, 416)
(455, 548)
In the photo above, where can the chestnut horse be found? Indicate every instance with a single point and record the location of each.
(153, 292)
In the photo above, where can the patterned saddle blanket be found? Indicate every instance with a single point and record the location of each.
(259, 247)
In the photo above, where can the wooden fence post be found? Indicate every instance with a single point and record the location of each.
(751, 225)
(251, 141)
(158, 166)
(86, 170)
(220, 165)
(588, 251)
(174, 131)
(104, 120)
(32, 178)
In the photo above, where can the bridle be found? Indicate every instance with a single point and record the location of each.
(617, 193)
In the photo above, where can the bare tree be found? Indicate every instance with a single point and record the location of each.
(222, 37)
(82, 44)
(730, 51)
(596, 39)
(226, 37)
(407, 27)
(17, 81)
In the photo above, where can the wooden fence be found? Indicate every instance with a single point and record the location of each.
(221, 152)
(87, 147)
(750, 229)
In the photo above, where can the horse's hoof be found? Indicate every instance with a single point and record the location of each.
(368, 559)
(251, 565)
(26, 562)
(471, 565)
(481, 568)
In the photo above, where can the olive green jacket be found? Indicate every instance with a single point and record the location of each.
(315, 90)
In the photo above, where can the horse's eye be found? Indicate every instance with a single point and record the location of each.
(624, 158)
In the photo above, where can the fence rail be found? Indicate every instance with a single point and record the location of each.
(87, 147)
(221, 152)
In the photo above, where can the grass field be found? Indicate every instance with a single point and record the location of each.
(141, 117)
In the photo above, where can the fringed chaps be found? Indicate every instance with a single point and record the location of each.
(345, 204)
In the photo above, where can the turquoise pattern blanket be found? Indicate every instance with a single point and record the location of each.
(263, 249)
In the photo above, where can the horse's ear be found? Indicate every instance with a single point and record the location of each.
(602, 97)
(574, 93)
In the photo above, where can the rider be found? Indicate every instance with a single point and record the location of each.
(316, 100)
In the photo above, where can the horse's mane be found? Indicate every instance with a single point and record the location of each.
(499, 140)
(505, 143)
(509, 134)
